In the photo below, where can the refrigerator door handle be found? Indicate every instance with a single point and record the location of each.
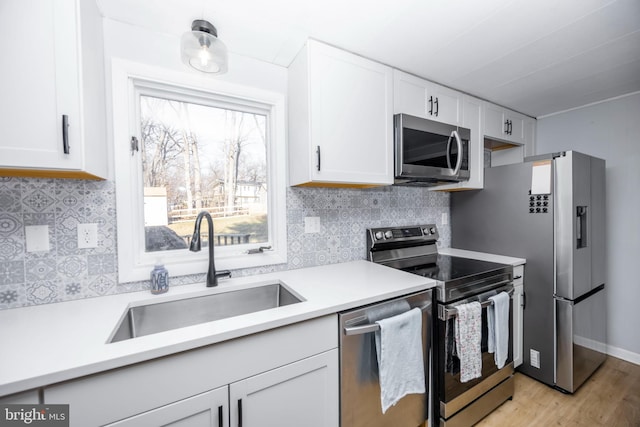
(581, 227)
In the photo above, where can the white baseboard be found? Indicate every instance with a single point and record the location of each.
(623, 354)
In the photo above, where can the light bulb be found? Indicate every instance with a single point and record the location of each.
(205, 56)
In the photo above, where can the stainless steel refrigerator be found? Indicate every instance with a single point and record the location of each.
(550, 209)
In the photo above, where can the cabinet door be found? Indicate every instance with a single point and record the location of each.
(443, 104)
(351, 120)
(304, 393)
(208, 409)
(422, 98)
(409, 95)
(494, 122)
(515, 126)
(41, 86)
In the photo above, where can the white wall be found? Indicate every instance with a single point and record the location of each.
(611, 130)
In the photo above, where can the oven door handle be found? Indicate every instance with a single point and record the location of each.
(446, 313)
(370, 327)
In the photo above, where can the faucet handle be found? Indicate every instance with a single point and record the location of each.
(223, 273)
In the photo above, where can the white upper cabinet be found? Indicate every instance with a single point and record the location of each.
(340, 119)
(511, 134)
(52, 104)
(422, 98)
(504, 124)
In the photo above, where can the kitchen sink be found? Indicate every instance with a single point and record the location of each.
(158, 317)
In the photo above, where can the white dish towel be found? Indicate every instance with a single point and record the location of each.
(400, 357)
(498, 328)
(468, 336)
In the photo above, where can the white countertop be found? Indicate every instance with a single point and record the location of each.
(482, 256)
(50, 343)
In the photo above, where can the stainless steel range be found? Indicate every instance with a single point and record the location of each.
(459, 281)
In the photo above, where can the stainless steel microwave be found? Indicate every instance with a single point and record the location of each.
(429, 152)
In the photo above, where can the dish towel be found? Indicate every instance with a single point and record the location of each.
(468, 335)
(498, 328)
(400, 357)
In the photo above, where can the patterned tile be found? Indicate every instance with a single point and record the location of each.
(38, 201)
(101, 264)
(102, 285)
(10, 224)
(72, 267)
(11, 272)
(67, 273)
(11, 249)
(12, 296)
(10, 199)
(42, 292)
(40, 269)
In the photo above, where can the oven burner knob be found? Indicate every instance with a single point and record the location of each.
(379, 235)
(426, 231)
(433, 230)
(388, 234)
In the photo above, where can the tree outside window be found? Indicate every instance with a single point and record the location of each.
(200, 157)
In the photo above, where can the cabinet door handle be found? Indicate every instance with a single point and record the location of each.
(318, 158)
(65, 133)
(239, 412)
(506, 127)
(431, 105)
(510, 127)
(220, 417)
(437, 107)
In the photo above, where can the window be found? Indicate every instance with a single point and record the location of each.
(201, 146)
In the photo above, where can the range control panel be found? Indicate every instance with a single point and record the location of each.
(417, 232)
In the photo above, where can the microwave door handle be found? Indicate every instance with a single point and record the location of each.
(449, 151)
(455, 135)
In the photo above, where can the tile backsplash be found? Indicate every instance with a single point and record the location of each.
(67, 272)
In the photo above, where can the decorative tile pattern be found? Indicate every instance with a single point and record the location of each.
(62, 273)
(67, 272)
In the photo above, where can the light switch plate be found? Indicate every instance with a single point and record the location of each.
(312, 224)
(37, 237)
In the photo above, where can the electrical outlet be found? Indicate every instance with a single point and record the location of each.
(312, 224)
(445, 218)
(87, 236)
(534, 357)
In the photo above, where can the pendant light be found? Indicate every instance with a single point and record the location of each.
(202, 49)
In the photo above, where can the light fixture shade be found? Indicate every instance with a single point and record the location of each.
(201, 49)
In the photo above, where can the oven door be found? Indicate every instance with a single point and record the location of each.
(430, 151)
(454, 395)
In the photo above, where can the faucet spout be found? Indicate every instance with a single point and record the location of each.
(196, 245)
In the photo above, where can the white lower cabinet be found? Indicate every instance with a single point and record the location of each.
(208, 409)
(25, 397)
(518, 312)
(304, 393)
(286, 376)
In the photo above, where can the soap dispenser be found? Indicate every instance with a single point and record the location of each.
(159, 279)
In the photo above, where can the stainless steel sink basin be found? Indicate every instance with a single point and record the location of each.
(158, 317)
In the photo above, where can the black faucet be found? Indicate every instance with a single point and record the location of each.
(195, 246)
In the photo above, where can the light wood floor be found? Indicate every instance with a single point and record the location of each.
(610, 397)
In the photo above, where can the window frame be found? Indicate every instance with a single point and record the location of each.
(129, 81)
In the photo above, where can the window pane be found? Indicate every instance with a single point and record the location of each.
(198, 157)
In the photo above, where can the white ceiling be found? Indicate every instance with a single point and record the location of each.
(535, 56)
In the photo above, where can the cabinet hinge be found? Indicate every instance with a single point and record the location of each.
(134, 145)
